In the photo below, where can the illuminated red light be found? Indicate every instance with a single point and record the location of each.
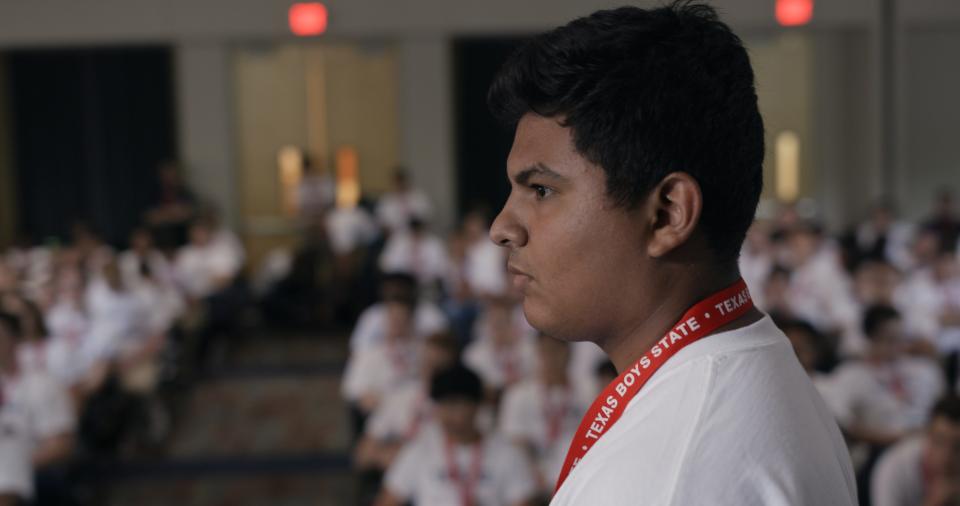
(794, 12)
(307, 19)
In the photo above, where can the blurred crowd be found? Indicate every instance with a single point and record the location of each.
(453, 397)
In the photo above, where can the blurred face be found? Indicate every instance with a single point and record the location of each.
(199, 235)
(436, 358)
(885, 343)
(801, 246)
(571, 249)
(399, 320)
(457, 416)
(943, 447)
(946, 267)
(141, 241)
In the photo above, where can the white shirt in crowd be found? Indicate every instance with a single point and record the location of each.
(380, 369)
(545, 418)
(371, 327)
(820, 292)
(199, 267)
(499, 367)
(898, 479)
(129, 263)
(425, 257)
(895, 397)
(118, 320)
(395, 210)
(402, 415)
(729, 420)
(422, 475)
(349, 228)
(69, 327)
(485, 266)
(34, 407)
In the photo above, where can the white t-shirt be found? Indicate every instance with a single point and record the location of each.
(34, 407)
(858, 392)
(898, 480)
(729, 420)
(349, 228)
(402, 415)
(198, 267)
(546, 419)
(381, 369)
(371, 326)
(500, 367)
(421, 473)
(424, 257)
(485, 266)
(395, 210)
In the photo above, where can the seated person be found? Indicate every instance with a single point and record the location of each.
(923, 469)
(541, 414)
(458, 464)
(887, 394)
(373, 372)
(36, 419)
(407, 411)
(371, 324)
(503, 352)
(419, 252)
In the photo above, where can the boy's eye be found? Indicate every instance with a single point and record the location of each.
(541, 191)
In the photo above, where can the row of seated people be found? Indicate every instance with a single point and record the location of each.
(91, 341)
(887, 399)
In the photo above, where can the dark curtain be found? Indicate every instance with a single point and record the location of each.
(90, 127)
(482, 144)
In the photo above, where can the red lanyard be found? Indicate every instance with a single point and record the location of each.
(699, 321)
(465, 483)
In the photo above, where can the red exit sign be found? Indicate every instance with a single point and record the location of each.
(794, 12)
(308, 19)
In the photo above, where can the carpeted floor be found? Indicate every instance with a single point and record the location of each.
(268, 428)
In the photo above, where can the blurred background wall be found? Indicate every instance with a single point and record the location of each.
(866, 89)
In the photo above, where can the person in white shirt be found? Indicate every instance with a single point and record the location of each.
(371, 326)
(208, 270)
(407, 411)
(503, 352)
(403, 203)
(36, 419)
(542, 413)
(417, 252)
(209, 264)
(635, 172)
(820, 291)
(373, 373)
(887, 394)
(458, 464)
(923, 470)
(484, 263)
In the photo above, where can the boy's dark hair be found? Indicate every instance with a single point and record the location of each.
(648, 93)
(875, 316)
(947, 407)
(457, 382)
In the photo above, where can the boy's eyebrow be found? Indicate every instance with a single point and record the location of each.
(537, 169)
